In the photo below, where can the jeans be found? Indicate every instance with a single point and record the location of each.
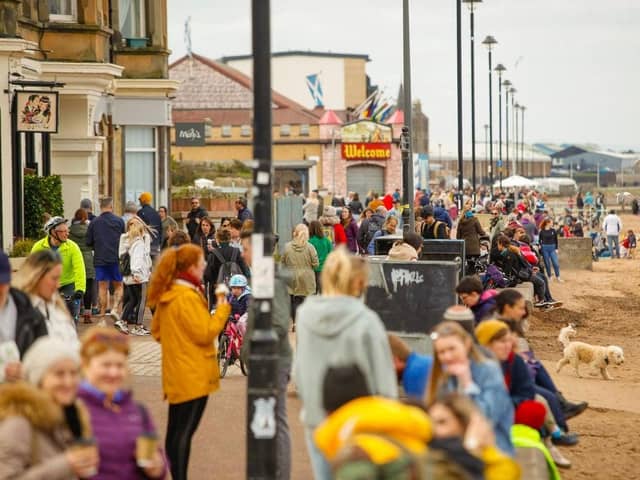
(544, 386)
(135, 303)
(611, 239)
(283, 438)
(319, 465)
(550, 257)
(67, 292)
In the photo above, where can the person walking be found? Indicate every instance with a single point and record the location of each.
(301, 258)
(355, 206)
(470, 230)
(168, 223)
(310, 208)
(41, 423)
(73, 278)
(338, 329)
(195, 214)
(39, 278)
(350, 227)
(87, 206)
(117, 420)
(137, 244)
(323, 247)
(78, 234)
(152, 218)
(548, 238)
(186, 331)
(388, 228)
(244, 213)
(104, 236)
(281, 317)
(206, 236)
(612, 226)
(223, 261)
(130, 211)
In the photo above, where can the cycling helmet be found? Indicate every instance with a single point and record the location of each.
(238, 281)
(53, 222)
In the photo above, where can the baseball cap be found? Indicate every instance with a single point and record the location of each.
(5, 269)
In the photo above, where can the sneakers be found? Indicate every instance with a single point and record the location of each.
(139, 330)
(559, 280)
(116, 318)
(559, 459)
(540, 304)
(566, 439)
(121, 326)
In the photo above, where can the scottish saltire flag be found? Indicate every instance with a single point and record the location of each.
(315, 88)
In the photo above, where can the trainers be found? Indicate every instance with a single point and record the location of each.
(571, 410)
(566, 440)
(540, 304)
(121, 326)
(559, 459)
(559, 280)
(116, 318)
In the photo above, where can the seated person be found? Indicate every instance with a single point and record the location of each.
(471, 294)
(239, 300)
(413, 368)
(408, 249)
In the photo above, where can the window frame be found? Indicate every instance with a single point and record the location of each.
(245, 130)
(226, 131)
(285, 130)
(64, 18)
(155, 150)
(141, 21)
(305, 130)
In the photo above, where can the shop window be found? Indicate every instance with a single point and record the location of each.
(208, 130)
(226, 130)
(245, 130)
(62, 10)
(285, 130)
(304, 130)
(132, 22)
(140, 161)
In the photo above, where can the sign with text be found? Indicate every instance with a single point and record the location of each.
(190, 134)
(366, 140)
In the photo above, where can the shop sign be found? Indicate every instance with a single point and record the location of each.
(37, 111)
(190, 134)
(366, 140)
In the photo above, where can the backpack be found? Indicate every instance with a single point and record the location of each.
(372, 228)
(329, 233)
(436, 226)
(124, 264)
(494, 278)
(228, 268)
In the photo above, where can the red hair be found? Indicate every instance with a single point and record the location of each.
(172, 262)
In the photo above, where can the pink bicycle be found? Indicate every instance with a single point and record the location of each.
(229, 346)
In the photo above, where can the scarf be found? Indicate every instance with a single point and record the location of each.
(187, 277)
(507, 367)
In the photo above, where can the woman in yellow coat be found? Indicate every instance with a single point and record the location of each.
(187, 332)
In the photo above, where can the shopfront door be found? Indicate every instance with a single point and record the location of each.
(362, 178)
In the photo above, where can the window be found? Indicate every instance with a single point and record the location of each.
(304, 130)
(285, 130)
(132, 19)
(62, 10)
(245, 130)
(226, 130)
(140, 161)
(208, 128)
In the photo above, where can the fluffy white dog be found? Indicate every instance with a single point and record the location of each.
(599, 358)
(566, 333)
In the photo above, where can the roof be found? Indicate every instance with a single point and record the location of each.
(211, 85)
(568, 152)
(397, 118)
(298, 53)
(330, 118)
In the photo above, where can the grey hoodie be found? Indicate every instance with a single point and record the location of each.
(339, 331)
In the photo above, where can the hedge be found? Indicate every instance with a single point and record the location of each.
(41, 195)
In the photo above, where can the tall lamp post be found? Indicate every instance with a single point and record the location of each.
(262, 393)
(522, 160)
(471, 4)
(500, 69)
(486, 151)
(407, 157)
(489, 42)
(516, 154)
(459, 82)
(506, 84)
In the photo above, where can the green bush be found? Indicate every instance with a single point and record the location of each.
(41, 195)
(22, 248)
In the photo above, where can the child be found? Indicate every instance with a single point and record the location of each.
(239, 301)
(473, 296)
(631, 237)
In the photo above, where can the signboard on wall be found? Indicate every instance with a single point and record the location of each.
(190, 134)
(37, 111)
(366, 140)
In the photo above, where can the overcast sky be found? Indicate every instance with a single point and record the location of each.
(578, 61)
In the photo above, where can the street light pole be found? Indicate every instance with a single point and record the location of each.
(518, 168)
(489, 42)
(459, 81)
(407, 163)
(506, 84)
(473, 94)
(514, 129)
(500, 69)
(486, 147)
(262, 394)
(522, 160)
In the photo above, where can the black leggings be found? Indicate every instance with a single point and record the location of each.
(182, 424)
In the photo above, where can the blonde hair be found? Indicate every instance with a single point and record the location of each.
(438, 376)
(35, 267)
(341, 271)
(300, 234)
(136, 228)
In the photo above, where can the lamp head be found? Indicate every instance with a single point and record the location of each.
(507, 84)
(489, 42)
(471, 3)
(500, 69)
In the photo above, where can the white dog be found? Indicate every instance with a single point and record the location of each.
(597, 357)
(566, 333)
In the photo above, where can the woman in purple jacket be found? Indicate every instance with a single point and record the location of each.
(117, 421)
(350, 229)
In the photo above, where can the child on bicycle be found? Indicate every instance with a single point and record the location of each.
(239, 299)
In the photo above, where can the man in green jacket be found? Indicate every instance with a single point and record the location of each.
(281, 317)
(73, 279)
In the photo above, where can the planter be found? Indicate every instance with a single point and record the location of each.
(16, 263)
(217, 207)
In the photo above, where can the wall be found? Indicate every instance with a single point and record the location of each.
(575, 253)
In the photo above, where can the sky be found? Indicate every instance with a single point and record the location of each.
(574, 63)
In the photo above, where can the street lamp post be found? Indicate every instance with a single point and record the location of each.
(522, 160)
(500, 69)
(516, 108)
(506, 84)
(262, 393)
(514, 129)
(459, 82)
(407, 159)
(489, 42)
(486, 149)
(471, 4)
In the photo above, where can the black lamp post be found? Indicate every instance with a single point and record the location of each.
(459, 88)
(516, 108)
(486, 153)
(500, 69)
(471, 4)
(522, 160)
(489, 42)
(407, 157)
(506, 84)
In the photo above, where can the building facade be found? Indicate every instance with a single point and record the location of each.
(102, 67)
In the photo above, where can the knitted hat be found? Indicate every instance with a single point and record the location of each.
(458, 313)
(145, 198)
(488, 329)
(329, 211)
(43, 353)
(531, 414)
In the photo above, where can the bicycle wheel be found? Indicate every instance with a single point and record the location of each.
(223, 361)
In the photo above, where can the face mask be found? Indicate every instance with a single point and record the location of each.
(468, 214)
